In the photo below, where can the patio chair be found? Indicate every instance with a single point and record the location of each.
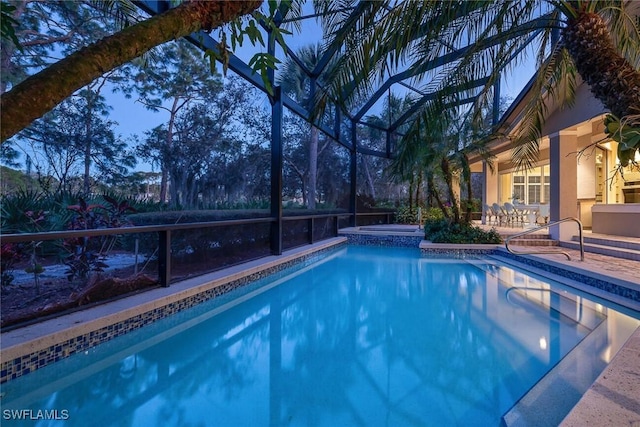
(543, 215)
(512, 214)
(489, 214)
(517, 214)
(500, 214)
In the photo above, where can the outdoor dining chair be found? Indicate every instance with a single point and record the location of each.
(543, 214)
(516, 214)
(512, 215)
(500, 213)
(489, 214)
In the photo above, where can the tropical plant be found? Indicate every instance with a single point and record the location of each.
(41, 92)
(10, 254)
(627, 134)
(296, 80)
(86, 254)
(438, 152)
(406, 215)
(464, 47)
(445, 231)
(9, 23)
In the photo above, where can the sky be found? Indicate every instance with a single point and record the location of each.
(134, 119)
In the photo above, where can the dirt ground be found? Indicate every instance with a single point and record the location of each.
(23, 301)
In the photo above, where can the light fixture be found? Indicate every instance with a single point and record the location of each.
(543, 343)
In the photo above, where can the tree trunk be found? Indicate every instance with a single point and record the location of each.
(41, 92)
(448, 179)
(612, 79)
(469, 211)
(163, 184)
(86, 178)
(367, 173)
(433, 194)
(418, 189)
(466, 176)
(313, 168)
(168, 145)
(411, 194)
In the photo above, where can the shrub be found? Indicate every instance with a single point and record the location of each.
(435, 226)
(86, 253)
(432, 214)
(443, 231)
(475, 204)
(406, 215)
(10, 254)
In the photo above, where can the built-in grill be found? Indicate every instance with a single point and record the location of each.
(631, 191)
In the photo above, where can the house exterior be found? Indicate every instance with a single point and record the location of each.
(574, 174)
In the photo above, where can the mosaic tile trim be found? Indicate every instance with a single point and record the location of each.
(456, 253)
(18, 367)
(612, 288)
(603, 285)
(383, 240)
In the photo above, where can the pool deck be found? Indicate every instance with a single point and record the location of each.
(614, 399)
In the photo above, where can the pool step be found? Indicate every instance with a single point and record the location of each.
(615, 248)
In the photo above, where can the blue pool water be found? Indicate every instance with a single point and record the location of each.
(365, 337)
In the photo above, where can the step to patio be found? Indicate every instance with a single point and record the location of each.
(607, 248)
(533, 239)
(533, 242)
(622, 243)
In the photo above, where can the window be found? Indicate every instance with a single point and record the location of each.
(519, 187)
(529, 187)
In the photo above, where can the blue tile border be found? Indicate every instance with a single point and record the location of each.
(383, 240)
(456, 253)
(25, 364)
(594, 282)
(597, 283)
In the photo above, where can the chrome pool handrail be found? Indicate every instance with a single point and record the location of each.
(532, 230)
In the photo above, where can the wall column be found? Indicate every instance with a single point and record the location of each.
(563, 203)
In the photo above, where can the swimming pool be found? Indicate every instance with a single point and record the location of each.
(366, 336)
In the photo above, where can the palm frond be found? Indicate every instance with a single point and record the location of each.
(555, 80)
(624, 24)
(125, 12)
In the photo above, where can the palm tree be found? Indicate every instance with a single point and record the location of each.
(452, 44)
(39, 93)
(298, 83)
(438, 150)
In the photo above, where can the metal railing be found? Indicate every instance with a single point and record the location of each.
(551, 224)
(164, 234)
(388, 216)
